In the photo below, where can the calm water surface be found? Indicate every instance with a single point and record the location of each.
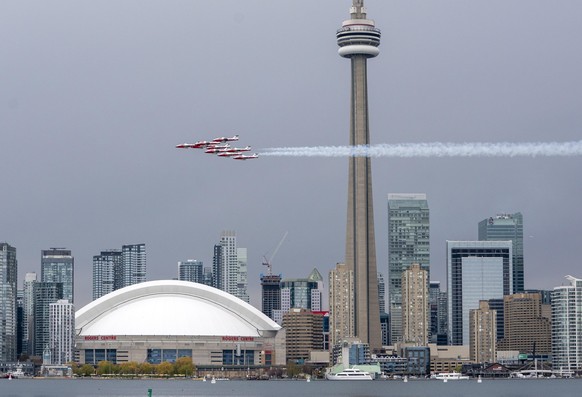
(179, 388)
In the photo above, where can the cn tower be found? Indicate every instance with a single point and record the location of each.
(358, 40)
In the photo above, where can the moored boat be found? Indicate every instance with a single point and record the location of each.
(349, 374)
(445, 376)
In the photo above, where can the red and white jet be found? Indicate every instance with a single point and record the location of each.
(228, 154)
(196, 145)
(239, 149)
(244, 157)
(225, 139)
(217, 148)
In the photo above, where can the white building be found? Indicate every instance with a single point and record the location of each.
(163, 320)
(61, 332)
(230, 266)
(567, 326)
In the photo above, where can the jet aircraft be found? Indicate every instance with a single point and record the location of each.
(226, 139)
(244, 157)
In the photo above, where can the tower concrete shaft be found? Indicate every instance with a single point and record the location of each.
(359, 40)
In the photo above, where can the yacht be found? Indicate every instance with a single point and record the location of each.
(350, 374)
(445, 376)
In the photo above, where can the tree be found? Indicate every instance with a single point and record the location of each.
(105, 367)
(146, 368)
(128, 368)
(165, 368)
(86, 370)
(184, 366)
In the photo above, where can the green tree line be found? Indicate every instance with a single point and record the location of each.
(182, 367)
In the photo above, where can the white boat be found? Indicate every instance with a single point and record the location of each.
(446, 376)
(349, 374)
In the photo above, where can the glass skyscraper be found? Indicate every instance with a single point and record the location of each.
(58, 266)
(229, 266)
(8, 292)
(408, 243)
(191, 270)
(506, 227)
(133, 264)
(567, 326)
(107, 275)
(476, 270)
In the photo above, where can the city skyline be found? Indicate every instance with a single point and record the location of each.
(103, 111)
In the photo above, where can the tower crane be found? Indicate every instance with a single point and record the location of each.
(267, 262)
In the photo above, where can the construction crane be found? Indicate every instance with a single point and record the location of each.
(267, 262)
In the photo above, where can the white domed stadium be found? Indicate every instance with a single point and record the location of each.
(163, 320)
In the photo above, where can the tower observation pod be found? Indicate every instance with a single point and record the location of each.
(358, 40)
(358, 36)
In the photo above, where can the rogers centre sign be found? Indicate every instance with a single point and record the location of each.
(101, 337)
(238, 338)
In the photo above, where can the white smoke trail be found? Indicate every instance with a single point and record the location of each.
(435, 149)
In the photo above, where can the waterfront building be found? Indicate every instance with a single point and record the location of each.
(526, 329)
(438, 314)
(107, 272)
(408, 243)
(476, 270)
(507, 227)
(58, 266)
(358, 39)
(62, 332)
(191, 270)
(482, 331)
(224, 336)
(567, 326)
(341, 304)
(415, 304)
(381, 293)
(45, 293)
(8, 311)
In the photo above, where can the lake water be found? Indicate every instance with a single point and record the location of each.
(179, 388)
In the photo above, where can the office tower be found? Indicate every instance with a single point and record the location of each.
(408, 243)
(191, 270)
(62, 331)
(482, 330)
(19, 322)
(358, 40)
(229, 266)
(381, 293)
(385, 327)
(507, 227)
(499, 307)
(270, 294)
(415, 305)
(45, 293)
(133, 263)
(58, 266)
(107, 272)
(207, 276)
(28, 312)
(303, 333)
(476, 270)
(526, 329)
(8, 292)
(438, 314)
(341, 304)
(567, 326)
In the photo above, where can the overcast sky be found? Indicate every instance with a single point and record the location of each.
(94, 95)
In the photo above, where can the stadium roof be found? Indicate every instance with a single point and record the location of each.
(170, 307)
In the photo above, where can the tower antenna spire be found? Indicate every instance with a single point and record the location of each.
(358, 10)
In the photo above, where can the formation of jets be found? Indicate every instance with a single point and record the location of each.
(220, 147)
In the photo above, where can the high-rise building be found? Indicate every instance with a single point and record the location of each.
(415, 304)
(341, 304)
(133, 263)
(270, 293)
(526, 329)
(482, 331)
(567, 326)
(229, 266)
(503, 228)
(62, 332)
(45, 293)
(28, 312)
(107, 272)
(408, 243)
(317, 293)
(358, 40)
(191, 270)
(303, 333)
(58, 266)
(8, 293)
(476, 270)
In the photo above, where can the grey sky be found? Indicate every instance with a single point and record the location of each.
(94, 95)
